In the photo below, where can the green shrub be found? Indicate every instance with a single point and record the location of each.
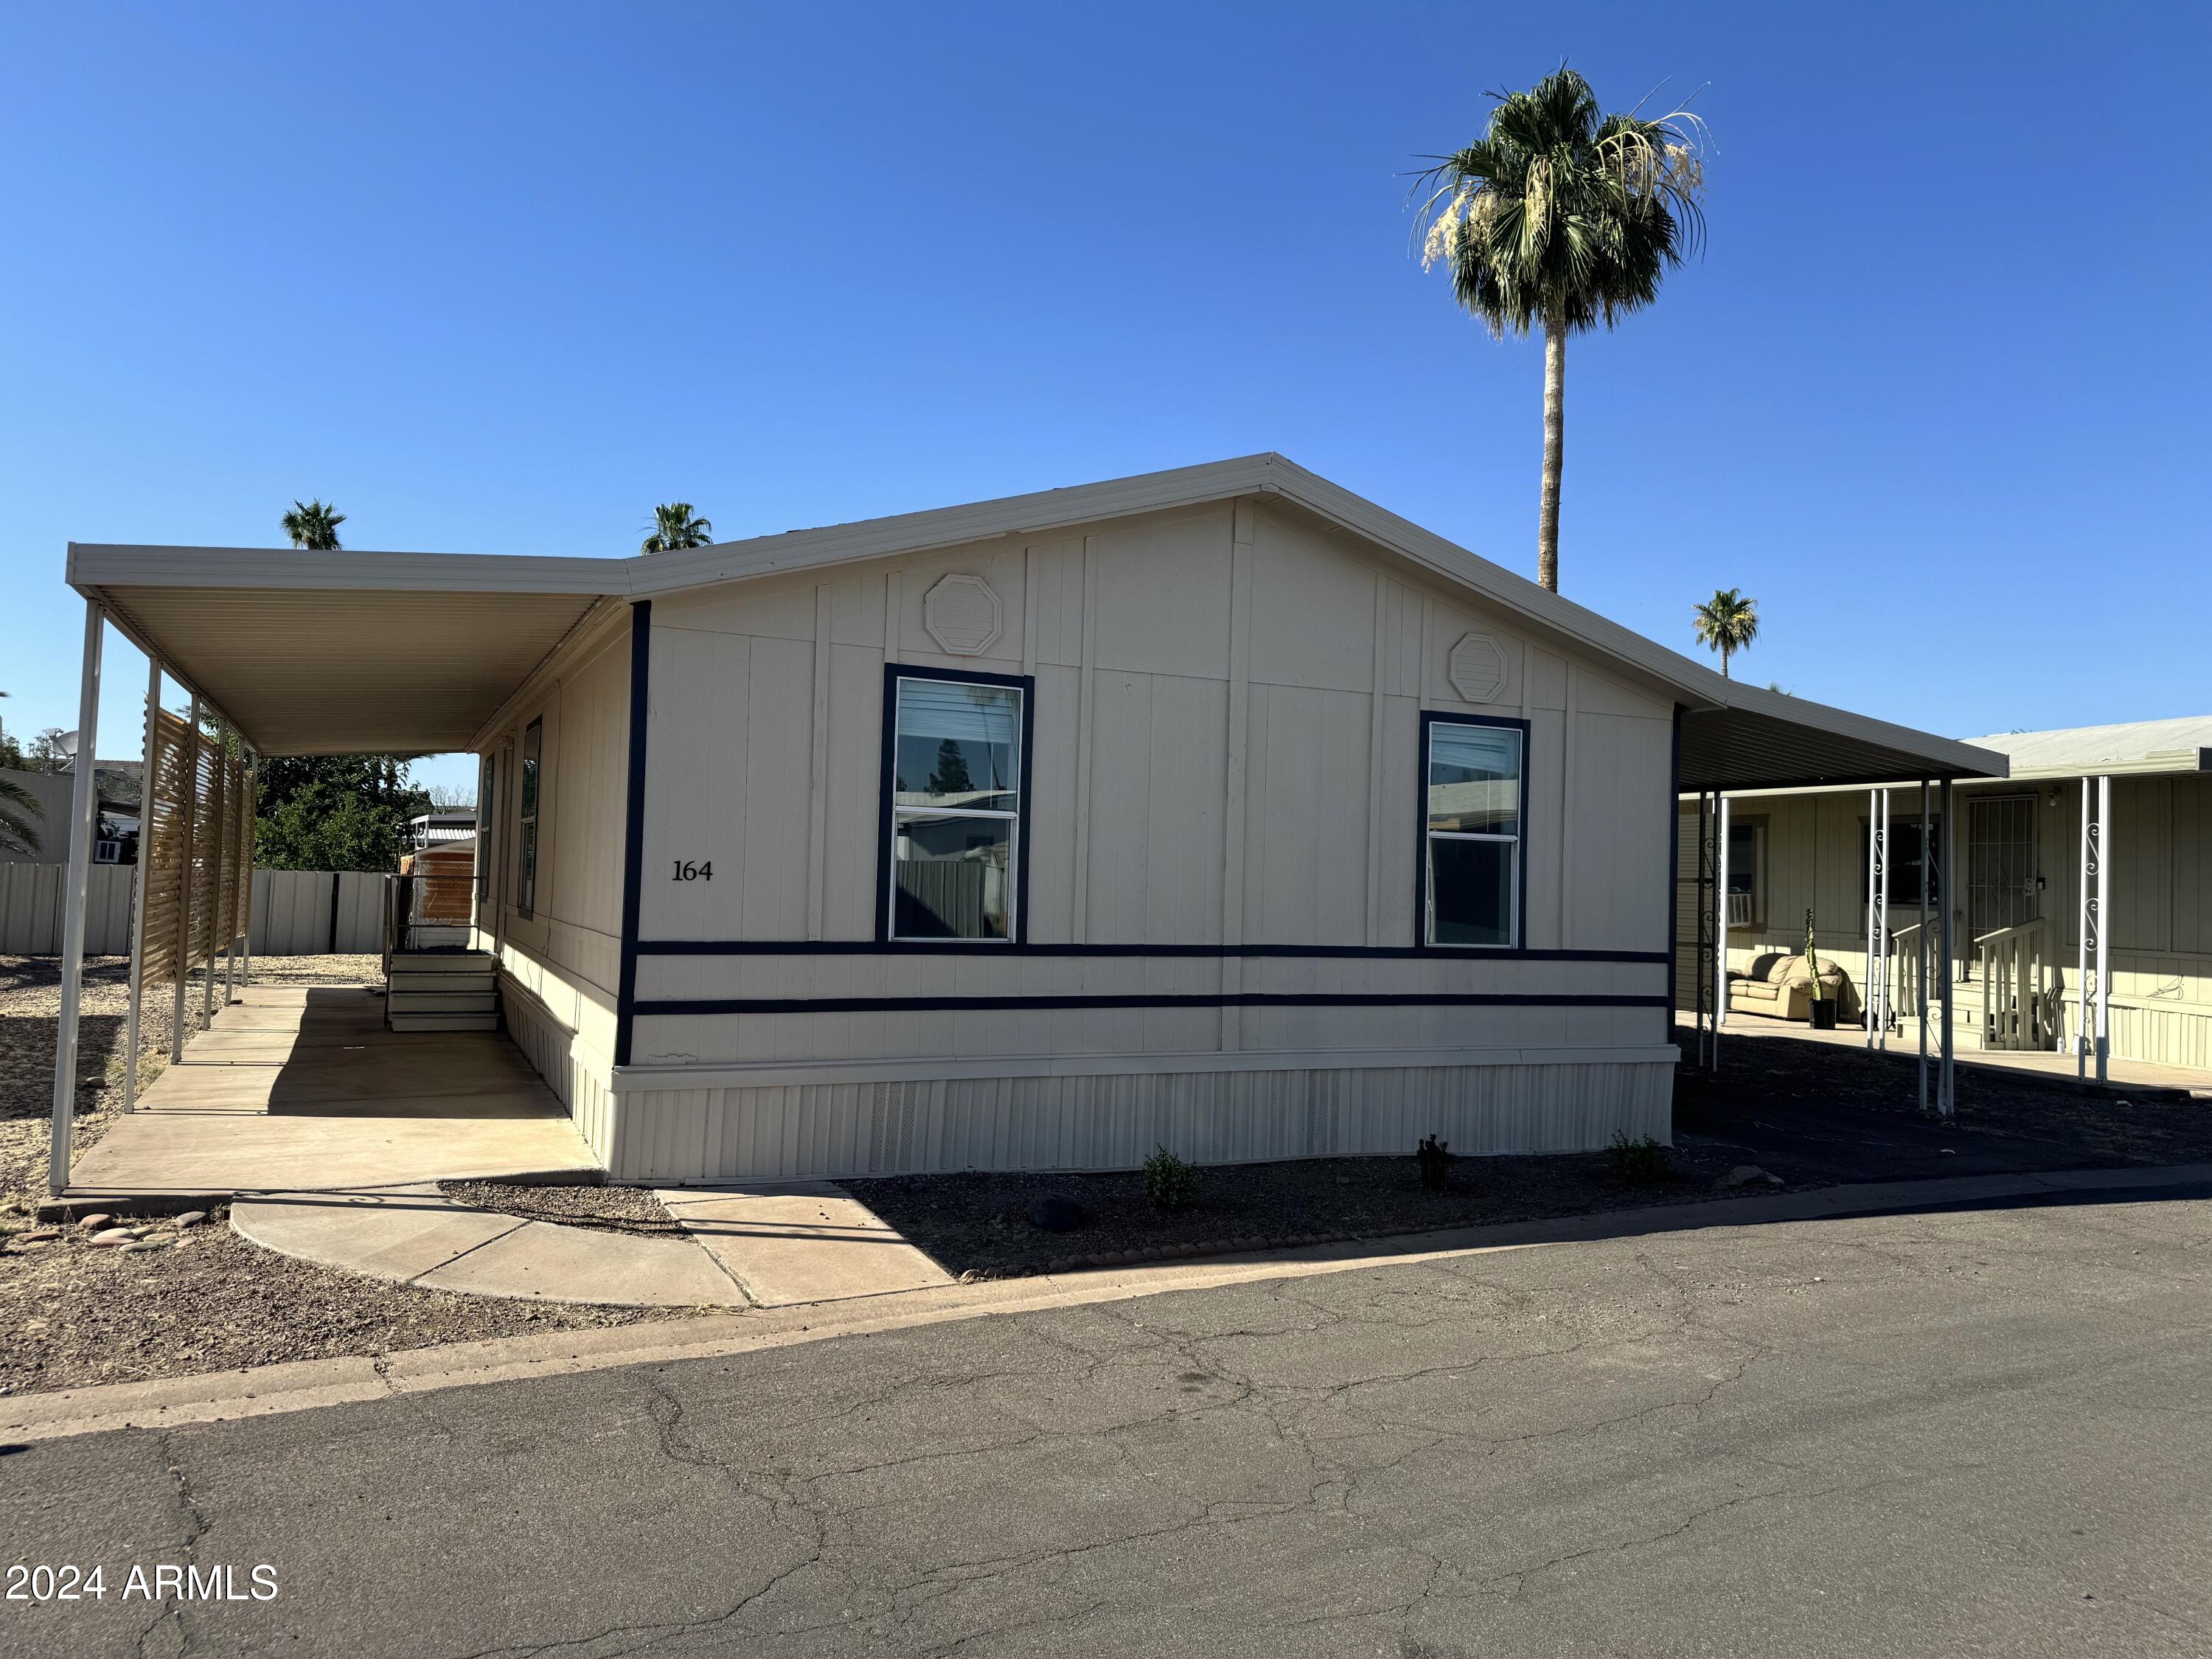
(1435, 1158)
(1170, 1182)
(1638, 1162)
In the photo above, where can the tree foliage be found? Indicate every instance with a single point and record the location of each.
(1558, 218)
(334, 811)
(18, 806)
(1727, 622)
(675, 527)
(313, 526)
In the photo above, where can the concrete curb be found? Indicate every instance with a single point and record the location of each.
(304, 1385)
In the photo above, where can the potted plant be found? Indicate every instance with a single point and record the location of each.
(1823, 1008)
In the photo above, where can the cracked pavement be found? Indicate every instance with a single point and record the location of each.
(1977, 1430)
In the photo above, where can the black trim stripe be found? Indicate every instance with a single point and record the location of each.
(1240, 999)
(641, 686)
(861, 947)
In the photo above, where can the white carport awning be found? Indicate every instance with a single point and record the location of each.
(1763, 739)
(314, 654)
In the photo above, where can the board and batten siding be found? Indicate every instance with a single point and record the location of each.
(1226, 707)
(560, 967)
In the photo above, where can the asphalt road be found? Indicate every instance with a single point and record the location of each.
(1980, 1431)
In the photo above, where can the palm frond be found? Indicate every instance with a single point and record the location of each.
(16, 834)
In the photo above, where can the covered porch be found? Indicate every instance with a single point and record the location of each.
(288, 654)
(293, 1087)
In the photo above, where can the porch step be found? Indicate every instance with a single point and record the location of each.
(442, 991)
(444, 1022)
(441, 1001)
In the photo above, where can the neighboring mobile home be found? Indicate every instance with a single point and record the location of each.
(2018, 843)
(1216, 809)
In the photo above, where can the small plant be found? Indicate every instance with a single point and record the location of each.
(1170, 1181)
(1812, 957)
(1435, 1158)
(1638, 1162)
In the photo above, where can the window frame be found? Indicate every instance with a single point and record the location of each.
(1757, 828)
(487, 826)
(1432, 718)
(889, 811)
(528, 808)
(1906, 899)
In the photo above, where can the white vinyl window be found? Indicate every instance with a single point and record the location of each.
(955, 809)
(1472, 876)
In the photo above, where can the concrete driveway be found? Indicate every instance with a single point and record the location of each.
(1973, 1431)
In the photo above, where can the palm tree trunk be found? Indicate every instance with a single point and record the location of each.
(1555, 441)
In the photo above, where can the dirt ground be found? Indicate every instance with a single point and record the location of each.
(980, 1222)
(1808, 1113)
(203, 1299)
(76, 1314)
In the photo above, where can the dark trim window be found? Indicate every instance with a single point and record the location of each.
(1474, 787)
(526, 861)
(487, 826)
(1747, 867)
(955, 785)
(1908, 864)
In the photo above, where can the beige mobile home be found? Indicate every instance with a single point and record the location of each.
(2020, 845)
(1217, 809)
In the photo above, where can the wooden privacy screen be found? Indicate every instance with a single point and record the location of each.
(162, 844)
(197, 838)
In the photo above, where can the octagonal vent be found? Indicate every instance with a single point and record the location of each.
(962, 615)
(1477, 667)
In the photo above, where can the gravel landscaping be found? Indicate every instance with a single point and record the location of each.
(190, 1299)
(610, 1209)
(1801, 1114)
(980, 1223)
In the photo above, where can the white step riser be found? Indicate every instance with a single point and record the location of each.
(434, 985)
(441, 1002)
(444, 1022)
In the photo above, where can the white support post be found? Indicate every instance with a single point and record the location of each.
(1920, 940)
(2085, 924)
(1721, 923)
(217, 942)
(1947, 1099)
(2104, 924)
(1881, 930)
(192, 811)
(138, 885)
(84, 819)
(1874, 857)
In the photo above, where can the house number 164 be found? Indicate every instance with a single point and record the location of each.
(688, 871)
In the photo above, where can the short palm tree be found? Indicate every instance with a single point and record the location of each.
(1727, 622)
(1558, 218)
(313, 526)
(674, 527)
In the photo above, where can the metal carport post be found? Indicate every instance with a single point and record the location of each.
(84, 804)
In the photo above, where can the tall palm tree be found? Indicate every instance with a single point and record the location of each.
(674, 527)
(1727, 622)
(1558, 218)
(313, 526)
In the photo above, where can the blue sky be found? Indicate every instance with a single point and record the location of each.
(497, 279)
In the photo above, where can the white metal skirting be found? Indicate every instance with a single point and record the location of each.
(576, 1072)
(1107, 1123)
